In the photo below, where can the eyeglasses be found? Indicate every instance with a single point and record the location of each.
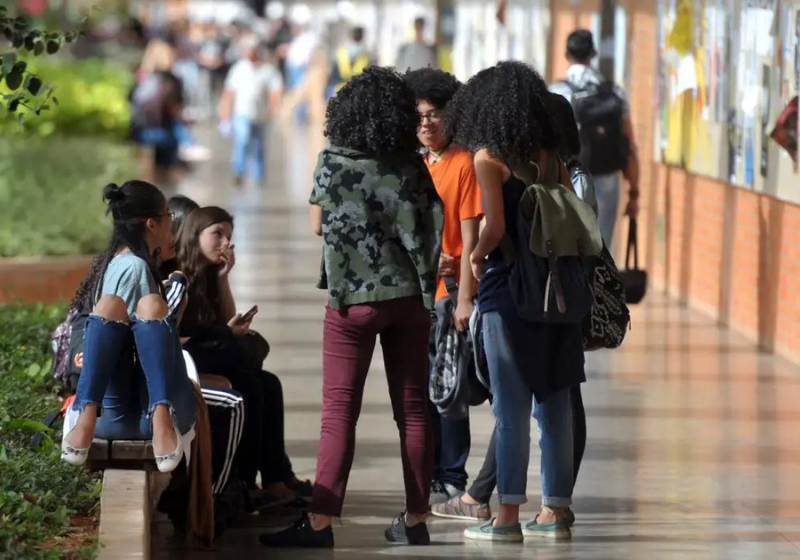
(170, 214)
(433, 117)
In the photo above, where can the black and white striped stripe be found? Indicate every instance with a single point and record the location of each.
(174, 295)
(227, 399)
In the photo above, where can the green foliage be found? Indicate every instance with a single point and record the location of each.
(92, 99)
(56, 208)
(24, 88)
(38, 492)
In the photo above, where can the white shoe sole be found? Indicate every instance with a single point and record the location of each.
(458, 517)
(560, 535)
(492, 537)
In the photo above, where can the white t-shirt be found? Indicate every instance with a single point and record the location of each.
(251, 85)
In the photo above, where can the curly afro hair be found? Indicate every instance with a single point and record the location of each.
(432, 85)
(374, 113)
(502, 109)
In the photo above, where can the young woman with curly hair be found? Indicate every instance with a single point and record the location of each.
(376, 208)
(501, 115)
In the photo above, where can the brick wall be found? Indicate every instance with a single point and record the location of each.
(728, 251)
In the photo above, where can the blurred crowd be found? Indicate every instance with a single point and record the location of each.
(239, 77)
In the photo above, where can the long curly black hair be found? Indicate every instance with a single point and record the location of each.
(130, 206)
(502, 109)
(436, 86)
(374, 113)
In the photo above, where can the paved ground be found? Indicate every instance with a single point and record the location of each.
(693, 446)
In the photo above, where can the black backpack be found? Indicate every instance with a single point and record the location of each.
(599, 111)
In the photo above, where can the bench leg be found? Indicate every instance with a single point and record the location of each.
(125, 515)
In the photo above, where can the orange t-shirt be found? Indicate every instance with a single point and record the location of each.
(455, 181)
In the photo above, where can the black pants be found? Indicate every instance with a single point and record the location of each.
(226, 415)
(484, 485)
(263, 446)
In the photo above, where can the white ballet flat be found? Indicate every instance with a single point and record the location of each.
(168, 463)
(73, 455)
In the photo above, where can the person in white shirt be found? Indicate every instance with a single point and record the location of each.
(416, 54)
(252, 94)
(613, 143)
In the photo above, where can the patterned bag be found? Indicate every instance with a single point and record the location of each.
(609, 319)
(61, 344)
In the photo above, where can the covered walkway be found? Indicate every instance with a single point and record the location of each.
(693, 441)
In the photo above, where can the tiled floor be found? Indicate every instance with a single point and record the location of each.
(693, 447)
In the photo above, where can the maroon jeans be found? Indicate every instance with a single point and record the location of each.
(348, 344)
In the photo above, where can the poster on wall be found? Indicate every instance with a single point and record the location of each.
(797, 67)
(765, 119)
(727, 69)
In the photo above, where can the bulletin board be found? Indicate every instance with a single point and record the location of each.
(727, 70)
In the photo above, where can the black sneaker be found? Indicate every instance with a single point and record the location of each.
(299, 535)
(400, 533)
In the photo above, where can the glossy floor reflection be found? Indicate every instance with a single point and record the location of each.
(693, 446)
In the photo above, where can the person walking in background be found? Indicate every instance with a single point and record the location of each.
(211, 58)
(350, 60)
(375, 206)
(417, 54)
(607, 142)
(252, 94)
(299, 55)
(453, 175)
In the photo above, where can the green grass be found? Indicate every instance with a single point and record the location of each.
(50, 193)
(40, 496)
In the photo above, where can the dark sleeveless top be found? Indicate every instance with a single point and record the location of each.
(549, 356)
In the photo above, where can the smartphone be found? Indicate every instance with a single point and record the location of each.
(249, 315)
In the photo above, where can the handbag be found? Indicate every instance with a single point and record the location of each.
(609, 320)
(245, 353)
(634, 279)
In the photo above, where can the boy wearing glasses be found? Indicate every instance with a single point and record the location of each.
(453, 175)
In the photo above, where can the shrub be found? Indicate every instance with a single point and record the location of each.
(56, 208)
(39, 493)
(92, 100)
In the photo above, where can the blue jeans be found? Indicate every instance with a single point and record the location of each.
(513, 400)
(294, 77)
(127, 389)
(607, 189)
(248, 148)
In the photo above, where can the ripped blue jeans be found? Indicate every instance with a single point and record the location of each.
(128, 369)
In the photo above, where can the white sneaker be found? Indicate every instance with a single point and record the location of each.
(194, 153)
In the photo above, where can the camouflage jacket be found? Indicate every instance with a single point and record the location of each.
(382, 227)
